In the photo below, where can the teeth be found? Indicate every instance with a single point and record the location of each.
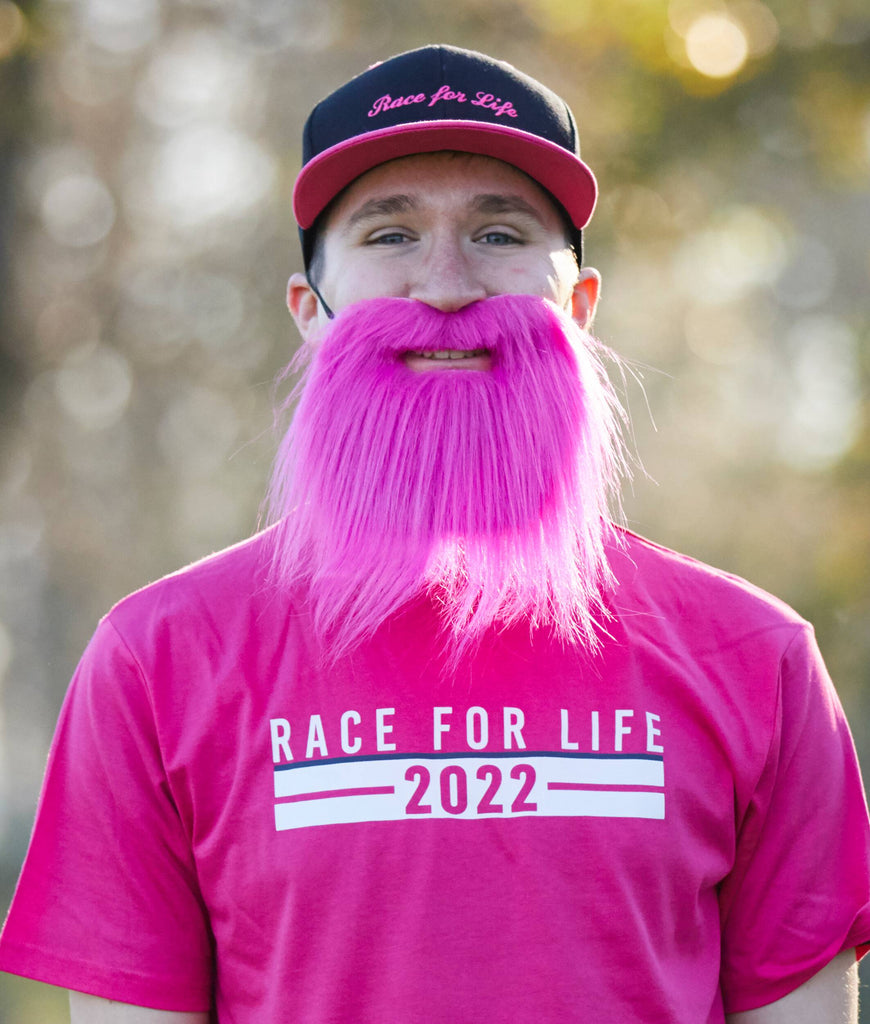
(452, 353)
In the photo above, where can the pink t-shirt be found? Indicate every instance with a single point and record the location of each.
(665, 832)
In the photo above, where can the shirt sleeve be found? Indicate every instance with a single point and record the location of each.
(799, 892)
(108, 901)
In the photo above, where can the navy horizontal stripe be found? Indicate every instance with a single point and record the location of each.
(465, 755)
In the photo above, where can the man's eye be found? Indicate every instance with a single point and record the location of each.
(387, 238)
(498, 238)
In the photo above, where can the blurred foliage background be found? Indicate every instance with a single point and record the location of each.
(147, 155)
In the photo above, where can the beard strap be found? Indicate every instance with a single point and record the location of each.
(320, 298)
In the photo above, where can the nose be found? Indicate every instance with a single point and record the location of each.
(446, 279)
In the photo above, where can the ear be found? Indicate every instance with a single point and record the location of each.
(303, 306)
(584, 298)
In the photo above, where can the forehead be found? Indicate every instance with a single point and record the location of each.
(444, 179)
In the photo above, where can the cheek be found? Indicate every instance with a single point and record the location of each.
(563, 267)
(541, 278)
(361, 280)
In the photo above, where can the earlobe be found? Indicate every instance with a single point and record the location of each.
(584, 299)
(303, 306)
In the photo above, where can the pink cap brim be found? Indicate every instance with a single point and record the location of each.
(557, 170)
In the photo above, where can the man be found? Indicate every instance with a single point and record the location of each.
(443, 744)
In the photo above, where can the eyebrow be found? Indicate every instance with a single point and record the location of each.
(495, 203)
(490, 203)
(384, 207)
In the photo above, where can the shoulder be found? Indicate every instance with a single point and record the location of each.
(212, 627)
(714, 607)
(226, 588)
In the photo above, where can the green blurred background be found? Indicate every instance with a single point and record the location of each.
(147, 155)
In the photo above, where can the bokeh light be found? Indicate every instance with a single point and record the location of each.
(94, 387)
(78, 210)
(194, 74)
(203, 173)
(824, 414)
(759, 25)
(716, 45)
(120, 28)
(743, 248)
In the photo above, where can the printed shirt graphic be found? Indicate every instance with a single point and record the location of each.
(508, 783)
(544, 836)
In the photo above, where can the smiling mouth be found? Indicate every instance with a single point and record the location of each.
(450, 354)
(449, 359)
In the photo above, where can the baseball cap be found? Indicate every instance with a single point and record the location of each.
(441, 98)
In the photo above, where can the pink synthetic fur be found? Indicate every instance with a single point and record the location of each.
(489, 488)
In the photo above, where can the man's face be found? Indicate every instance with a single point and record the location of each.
(440, 440)
(447, 229)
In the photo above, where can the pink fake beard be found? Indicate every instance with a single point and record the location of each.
(488, 488)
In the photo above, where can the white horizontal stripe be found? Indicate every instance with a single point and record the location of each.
(465, 787)
(589, 803)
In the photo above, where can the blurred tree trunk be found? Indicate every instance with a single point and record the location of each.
(16, 120)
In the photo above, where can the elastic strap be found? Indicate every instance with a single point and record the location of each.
(320, 298)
